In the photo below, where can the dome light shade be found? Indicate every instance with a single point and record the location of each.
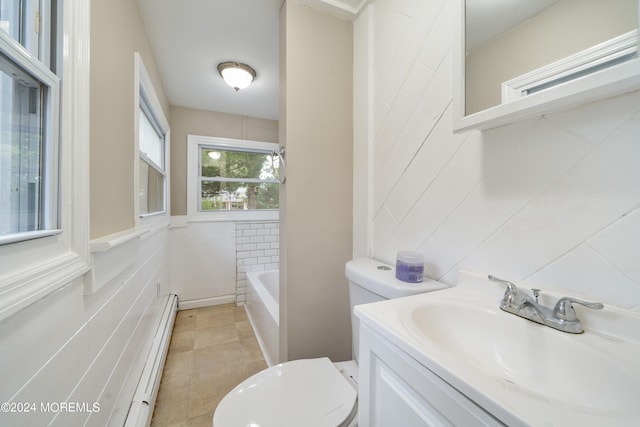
(236, 75)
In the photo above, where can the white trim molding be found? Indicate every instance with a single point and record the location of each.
(599, 56)
(31, 270)
(615, 80)
(194, 215)
(144, 84)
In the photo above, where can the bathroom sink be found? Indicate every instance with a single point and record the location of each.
(521, 372)
(525, 357)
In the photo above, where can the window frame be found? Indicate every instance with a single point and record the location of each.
(194, 213)
(37, 69)
(146, 99)
(32, 269)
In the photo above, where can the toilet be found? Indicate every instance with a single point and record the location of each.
(316, 392)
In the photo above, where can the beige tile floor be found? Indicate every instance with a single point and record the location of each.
(212, 350)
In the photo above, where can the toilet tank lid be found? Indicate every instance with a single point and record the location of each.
(380, 278)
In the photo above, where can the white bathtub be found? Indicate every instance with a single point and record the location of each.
(264, 312)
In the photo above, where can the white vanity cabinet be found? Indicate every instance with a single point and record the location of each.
(396, 390)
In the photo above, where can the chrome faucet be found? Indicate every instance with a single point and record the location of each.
(561, 317)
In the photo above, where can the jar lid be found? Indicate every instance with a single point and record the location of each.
(410, 257)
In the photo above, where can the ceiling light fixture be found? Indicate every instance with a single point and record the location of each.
(236, 75)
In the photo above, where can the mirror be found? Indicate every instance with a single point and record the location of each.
(518, 58)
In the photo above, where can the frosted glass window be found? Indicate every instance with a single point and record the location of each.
(151, 141)
(152, 173)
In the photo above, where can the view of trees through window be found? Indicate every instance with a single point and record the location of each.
(237, 180)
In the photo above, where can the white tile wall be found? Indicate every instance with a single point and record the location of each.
(257, 249)
(209, 259)
(550, 201)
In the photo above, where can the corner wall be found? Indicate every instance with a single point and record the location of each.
(316, 201)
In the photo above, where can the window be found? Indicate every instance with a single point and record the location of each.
(153, 136)
(44, 125)
(233, 178)
(152, 163)
(29, 125)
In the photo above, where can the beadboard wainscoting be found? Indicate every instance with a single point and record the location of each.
(87, 348)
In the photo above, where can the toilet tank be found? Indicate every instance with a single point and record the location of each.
(371, 280)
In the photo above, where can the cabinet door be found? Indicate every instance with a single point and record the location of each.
(395, 403)
(396, 390)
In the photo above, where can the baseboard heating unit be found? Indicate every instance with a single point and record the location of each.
(144, 398)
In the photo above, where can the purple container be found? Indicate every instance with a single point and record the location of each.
(409, 266)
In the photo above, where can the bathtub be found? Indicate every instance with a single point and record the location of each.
(263, 311)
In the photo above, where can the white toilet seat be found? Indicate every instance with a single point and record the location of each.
(308, 392)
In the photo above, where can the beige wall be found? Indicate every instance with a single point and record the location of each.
(117, 32)
(316, 201)
(543, 39)
(185, 121)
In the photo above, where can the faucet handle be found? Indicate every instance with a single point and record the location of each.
(564, 308)
(510, 286)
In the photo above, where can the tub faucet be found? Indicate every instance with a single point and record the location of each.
(561, 317)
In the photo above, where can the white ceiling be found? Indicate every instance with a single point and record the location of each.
(189, 38)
